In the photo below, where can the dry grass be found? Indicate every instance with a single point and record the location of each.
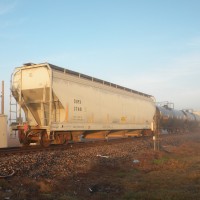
(167, 176)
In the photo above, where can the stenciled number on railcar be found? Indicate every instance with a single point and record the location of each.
(77, 102)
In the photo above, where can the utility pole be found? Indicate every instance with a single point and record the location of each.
(156, 137)
(2, 99)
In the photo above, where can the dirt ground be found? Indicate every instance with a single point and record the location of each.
(173, 173)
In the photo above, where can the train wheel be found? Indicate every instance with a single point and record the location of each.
(60, 138)
(23, 139)
(44, 141)
(21, 136)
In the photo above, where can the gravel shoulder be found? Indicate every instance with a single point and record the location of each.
(128, 170)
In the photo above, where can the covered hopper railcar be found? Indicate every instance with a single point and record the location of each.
(62, 105)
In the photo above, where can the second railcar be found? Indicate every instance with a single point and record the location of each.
(174, 120)
(170, 119)
(61, 104)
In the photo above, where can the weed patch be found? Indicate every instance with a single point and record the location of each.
(160, 161)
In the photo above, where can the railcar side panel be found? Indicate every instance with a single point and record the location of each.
(94, 106)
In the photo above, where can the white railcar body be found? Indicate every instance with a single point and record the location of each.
(57, 99)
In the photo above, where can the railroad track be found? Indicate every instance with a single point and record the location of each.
(86, 144)
(38, 148)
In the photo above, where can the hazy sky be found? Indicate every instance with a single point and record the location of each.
(152, 46)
